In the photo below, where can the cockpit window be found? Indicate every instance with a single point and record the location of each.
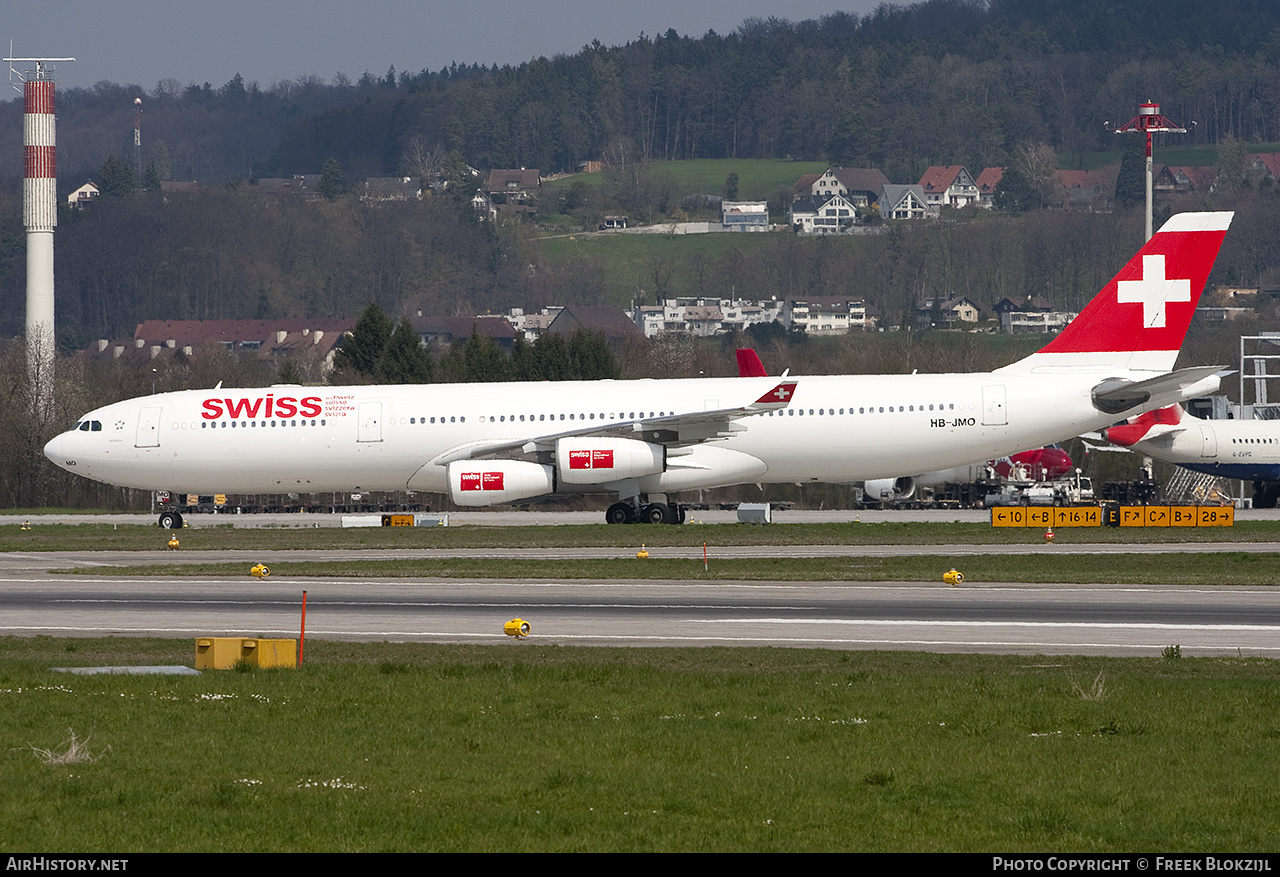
(83, 426)
(96, 425)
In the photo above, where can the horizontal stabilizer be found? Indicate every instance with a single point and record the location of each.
(1115, 396)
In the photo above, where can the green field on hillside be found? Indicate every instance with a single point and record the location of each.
(758, 179)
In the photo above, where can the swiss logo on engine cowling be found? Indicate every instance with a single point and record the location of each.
(480, 481)
(589, 459)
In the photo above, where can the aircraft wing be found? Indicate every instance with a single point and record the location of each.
(672, 430)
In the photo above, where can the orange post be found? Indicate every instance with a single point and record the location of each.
(302, 638)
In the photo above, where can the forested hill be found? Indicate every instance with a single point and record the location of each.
(945, 81)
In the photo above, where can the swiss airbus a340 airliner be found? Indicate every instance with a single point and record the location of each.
(486, 444)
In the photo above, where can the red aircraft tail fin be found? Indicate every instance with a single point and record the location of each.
(1139, 319)
(749, 364)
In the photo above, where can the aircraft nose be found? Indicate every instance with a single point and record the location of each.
(53, 449)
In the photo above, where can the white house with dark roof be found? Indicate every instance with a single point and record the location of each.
(823, 215)
(857, 185)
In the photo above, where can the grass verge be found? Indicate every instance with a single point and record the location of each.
(212, 535)
(530, 748)
(1229, 568)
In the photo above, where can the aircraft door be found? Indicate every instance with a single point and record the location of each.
(369, 422)
(1208, 441)
(148, 428)
(993, 406)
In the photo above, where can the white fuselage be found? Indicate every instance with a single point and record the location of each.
(1245, 449)
(311, 439)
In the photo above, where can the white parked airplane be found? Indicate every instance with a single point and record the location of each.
(1248, 450)
(486, 444)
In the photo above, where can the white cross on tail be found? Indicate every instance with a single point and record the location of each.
(1153, 291)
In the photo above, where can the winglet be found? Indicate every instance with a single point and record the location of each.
(778, 397)
(749, 364)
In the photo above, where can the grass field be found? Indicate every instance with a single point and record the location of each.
(529, 748)
(206, 534)
(1232, 568)
(758, 179)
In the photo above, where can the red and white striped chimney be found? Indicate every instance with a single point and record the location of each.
(39, 216)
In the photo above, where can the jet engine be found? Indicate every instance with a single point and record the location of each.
(490, 482)
(889, 489)
(589, 460)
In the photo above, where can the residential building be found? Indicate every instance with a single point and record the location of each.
(903, 202)
(745, 215)
(825, 315)
(823, 214)
(391, 189)
(83, 195)
(946, 313)
(859, 186)
(513, 185)
(949, 186)
(987, 182)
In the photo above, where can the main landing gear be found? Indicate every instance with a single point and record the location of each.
(170, 520)
(1265, 494)
(634, 511)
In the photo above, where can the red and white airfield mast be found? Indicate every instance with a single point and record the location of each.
(1149, 121)
(39, 216)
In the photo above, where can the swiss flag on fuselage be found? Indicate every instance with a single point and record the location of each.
(1148, 305)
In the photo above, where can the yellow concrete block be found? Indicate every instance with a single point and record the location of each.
(224, 652)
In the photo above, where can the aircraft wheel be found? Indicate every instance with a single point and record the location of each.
(658, 513)
(170, 521)
(619, 513)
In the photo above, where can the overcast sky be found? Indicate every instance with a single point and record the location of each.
(144, 41)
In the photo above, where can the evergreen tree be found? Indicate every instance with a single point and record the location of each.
(591, 358)
(551, 354)
(523, 365)
(484, 359)
(1131, 183)
(405, 360)
(362, 350)
(151, 178)
(115, 179)
(1015, 193)
(731, 187)
(331, 179)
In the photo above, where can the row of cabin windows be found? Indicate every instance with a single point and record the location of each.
(245, 424)
(532, 418)
(864, 410)
(1254, 441)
